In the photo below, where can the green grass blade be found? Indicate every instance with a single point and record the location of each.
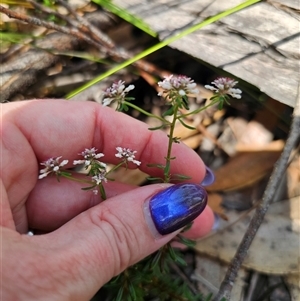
(124, 14)
(13, 37)
(163, 44)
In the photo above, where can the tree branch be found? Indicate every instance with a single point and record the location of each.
(280, 168)
(50, 25)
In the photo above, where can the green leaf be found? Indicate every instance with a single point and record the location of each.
(176, 139)
(187, 242)
(160, 166)
(185, 125)
(115, 280)
(155, 260)
(154, 179)
(14, 37)
(180, 177)
(169, 112)
(156, 128)
(88, 188)
(124, 14)
(132, 291)
(172, 253)
(120, 294)
(185, 102)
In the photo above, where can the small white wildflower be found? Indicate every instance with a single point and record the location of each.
(224, 86)
(127, 154)
(52, 165)
(100, 177)
(95, 191)
(89, 156)
(179, 84)
(116, 93)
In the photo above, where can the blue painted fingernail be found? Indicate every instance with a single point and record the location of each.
(176, 206)
(209, 177)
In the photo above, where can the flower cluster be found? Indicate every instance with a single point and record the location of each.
(100, 177)
(117, 93)
(127, 155)
(97, 169)
(180, 85)
(90, 157)
(224, 86)
(52, 166)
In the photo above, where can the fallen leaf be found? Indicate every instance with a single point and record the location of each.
(214, 201)
(209, 274)
(293, 283)
(243, 170)
(275, 248)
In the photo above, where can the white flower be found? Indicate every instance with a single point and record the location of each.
(117, 92)
(179, 84)
(224, 86)
(99, 178)
(89, 156)
(52, 165)
(127, 154)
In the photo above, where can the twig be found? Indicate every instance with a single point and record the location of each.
(49, 11)
(280, 167)
(186, 280)
(49, 25)
(87, 27)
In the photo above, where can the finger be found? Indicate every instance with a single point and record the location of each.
(52, 204)
(202, 225)
(65, 128)
(104, 240)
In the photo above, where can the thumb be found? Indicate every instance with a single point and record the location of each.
(103, 241)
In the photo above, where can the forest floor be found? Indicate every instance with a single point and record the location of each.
(240, 143)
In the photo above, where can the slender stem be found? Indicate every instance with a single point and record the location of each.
(145, 112)
(70, 177)
(168, 157)
(200, 109)
(116, 167)
(102, 191)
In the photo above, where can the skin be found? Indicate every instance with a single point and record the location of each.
(84, 242)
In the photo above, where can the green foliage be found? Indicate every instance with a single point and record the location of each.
(153, 277)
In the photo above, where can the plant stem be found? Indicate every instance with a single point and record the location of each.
(129, 104)
(200, 109)
(67, 176)
(116, 167)
(102, 192)
(168, 157)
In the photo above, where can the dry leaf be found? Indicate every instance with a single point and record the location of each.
(209, 274)
(243, 170)
(293, 283)
(215, 203)
(275, 248)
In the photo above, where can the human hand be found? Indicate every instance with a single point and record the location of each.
(85, 243)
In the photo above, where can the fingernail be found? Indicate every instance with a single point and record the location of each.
(175, 207)
(209, 177)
